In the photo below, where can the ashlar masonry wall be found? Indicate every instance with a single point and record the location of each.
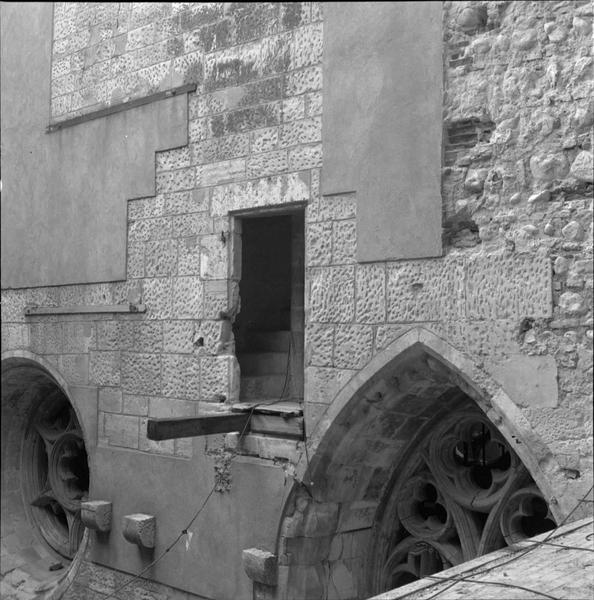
(513, 290)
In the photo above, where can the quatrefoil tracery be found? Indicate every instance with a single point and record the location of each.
(467, 493)
(57, 474)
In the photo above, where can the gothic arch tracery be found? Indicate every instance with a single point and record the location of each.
(414, 467)
(462, 493)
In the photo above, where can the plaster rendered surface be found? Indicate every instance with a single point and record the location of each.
(220, 532)
(382, 123)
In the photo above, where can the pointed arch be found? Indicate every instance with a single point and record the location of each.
(365, 449)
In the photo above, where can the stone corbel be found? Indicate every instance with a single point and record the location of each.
(260, 566)
(96, 514)
(139, 529)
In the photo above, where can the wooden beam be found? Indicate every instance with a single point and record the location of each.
(168, 429)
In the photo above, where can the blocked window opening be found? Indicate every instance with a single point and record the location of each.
(269, 327)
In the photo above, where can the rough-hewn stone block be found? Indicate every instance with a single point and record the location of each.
(508, 286)
(332, 296)
(260, 565)
(141, 373)
(319, 243)
(96, 514)
(140, 529)
(352, 347)
(370, 303)
(425, 291)
(121, 430)
(104, 368)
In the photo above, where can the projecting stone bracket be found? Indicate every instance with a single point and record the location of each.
(260, 566)
(139, 529)
(96, 514)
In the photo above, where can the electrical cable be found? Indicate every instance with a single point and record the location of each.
(513, 558)
(184, 531)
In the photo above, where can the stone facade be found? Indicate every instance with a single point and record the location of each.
(512, 292)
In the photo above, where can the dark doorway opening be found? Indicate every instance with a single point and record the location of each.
(268, 329)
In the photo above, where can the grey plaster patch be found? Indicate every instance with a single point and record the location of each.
(530, 381)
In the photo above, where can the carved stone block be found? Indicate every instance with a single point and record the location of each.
(96, 514)
(139, 529)
(260, 565)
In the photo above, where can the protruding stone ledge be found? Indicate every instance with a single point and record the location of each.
(260, 566)
(139, 529)
(96, 514)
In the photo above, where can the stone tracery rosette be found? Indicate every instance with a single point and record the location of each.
(56, 474)
(462, 494)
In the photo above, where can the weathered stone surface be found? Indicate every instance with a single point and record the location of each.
(96, 514)
(104, 368)
(332, 297)
(172, 160)
(187, 296)
(140, 529)
(220, 376)
(425, 291)
(319, 345)
(141, 372)
(264, 140)
(188, 262)
(178, 336)
(121, 430)
(75, 368)
(148, 336)
(157, 295)
(319, 243)
(192, 224)
(500, 286)
(370, 304)
(110, 400)
(305, 157)
(260, 565)
(135, 405)
(293, 109)
(305, 80)
(14, 336)
(572, 231)
(214, 257)
(221, 172)
(344, 242)
(324, 383)
(181, 376)
(572, 303)
(175, 181)
(352, 348)
(548, 167)
(260, 192)
(267, 163)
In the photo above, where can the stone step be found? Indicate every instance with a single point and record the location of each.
(269, 341)
(263, 363)
(258, 387)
